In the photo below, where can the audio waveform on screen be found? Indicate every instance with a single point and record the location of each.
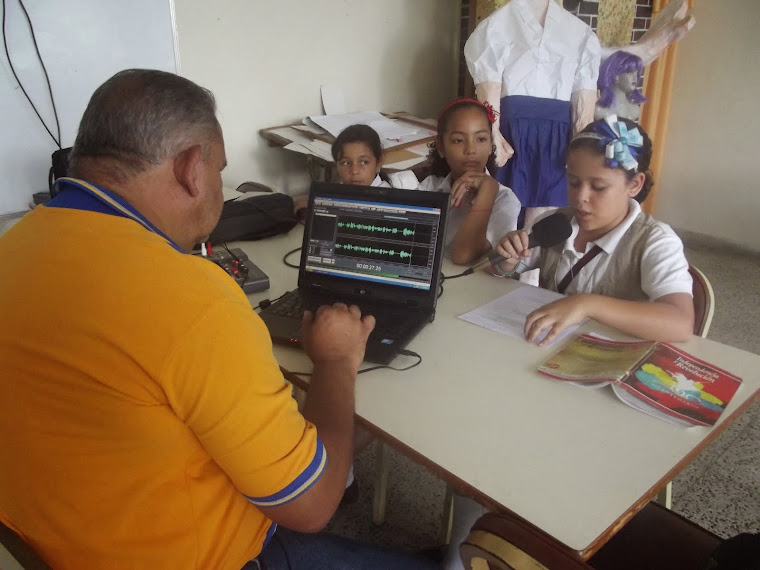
(374, 250)
(374, 228)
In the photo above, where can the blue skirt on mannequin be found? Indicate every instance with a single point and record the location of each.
(539, 132)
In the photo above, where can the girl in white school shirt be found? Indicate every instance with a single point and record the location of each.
(636, 277)
(481, 209)
(639, 280)
(358, 153)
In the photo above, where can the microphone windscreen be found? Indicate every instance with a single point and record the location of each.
(550, 231)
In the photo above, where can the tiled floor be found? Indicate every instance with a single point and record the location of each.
(720, 490)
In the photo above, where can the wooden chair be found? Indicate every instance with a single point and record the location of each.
(704, 308)
(655, 539)
(704, 302)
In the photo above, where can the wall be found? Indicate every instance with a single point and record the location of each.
(710, 181)
(5, 225)
(82, 43)
(588, 11)
(266, 60)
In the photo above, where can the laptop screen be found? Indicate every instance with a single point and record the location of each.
(373, 240)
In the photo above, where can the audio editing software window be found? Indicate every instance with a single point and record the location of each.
(386, 243)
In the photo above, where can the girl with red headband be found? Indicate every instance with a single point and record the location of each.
(462, 159)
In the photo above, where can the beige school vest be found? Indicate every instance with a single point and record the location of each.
(622, 279)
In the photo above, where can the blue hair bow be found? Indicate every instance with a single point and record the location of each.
(620, 144)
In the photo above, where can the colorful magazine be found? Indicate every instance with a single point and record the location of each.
(656, 378)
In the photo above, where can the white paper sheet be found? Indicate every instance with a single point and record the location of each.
(295, 147)
(419, 135)
(320, 149)
(404, 179)
(333, 101)
(386, 128)
(317, 130)
(506, 315)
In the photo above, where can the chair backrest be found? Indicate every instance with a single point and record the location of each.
(20, 550)
(656, 538)
(502, 542)
(704, 301)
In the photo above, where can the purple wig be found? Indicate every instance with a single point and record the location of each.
(618, 63)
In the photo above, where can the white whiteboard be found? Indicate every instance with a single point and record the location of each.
(83, 43)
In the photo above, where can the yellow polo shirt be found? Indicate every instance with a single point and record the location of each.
(143, 414)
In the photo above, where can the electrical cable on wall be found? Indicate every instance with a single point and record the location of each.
(57, 141)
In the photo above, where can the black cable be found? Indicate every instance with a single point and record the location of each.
(404, 351)
(285, 258)
(468, 271)
(232, 255)
(266, 302)
(44, 70)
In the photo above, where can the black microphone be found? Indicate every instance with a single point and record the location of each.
(546, 232)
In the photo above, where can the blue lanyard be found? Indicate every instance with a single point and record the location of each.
(91, 198)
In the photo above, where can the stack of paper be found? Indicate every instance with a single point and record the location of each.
(386, 128)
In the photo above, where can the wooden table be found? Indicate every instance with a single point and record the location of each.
(576, 464)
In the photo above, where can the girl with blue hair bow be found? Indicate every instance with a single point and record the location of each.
(619, 266)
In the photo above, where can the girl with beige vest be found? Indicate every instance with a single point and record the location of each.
(619, 266)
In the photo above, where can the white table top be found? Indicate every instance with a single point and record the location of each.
(569, 460)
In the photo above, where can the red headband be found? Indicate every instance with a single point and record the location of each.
(485, 105)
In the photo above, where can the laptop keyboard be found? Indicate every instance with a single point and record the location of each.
(290, 305)
(387, 325)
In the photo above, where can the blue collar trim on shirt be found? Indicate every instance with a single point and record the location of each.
(82, 195)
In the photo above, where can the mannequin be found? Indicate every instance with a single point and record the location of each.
(539, 65)
(619, 79)
(672, 23)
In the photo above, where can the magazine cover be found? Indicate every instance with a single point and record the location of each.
(590, 359)
(682, 385)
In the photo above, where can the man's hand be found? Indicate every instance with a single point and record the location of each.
(336, 334)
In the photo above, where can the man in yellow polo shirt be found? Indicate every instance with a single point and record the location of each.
(145, 422)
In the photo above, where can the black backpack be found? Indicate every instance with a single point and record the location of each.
(254, 218)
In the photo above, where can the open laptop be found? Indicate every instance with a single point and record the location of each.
(378, 248)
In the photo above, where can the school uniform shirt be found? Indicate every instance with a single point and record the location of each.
(503, 218)
(551, 62)
(379, 182)
(664, 269)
